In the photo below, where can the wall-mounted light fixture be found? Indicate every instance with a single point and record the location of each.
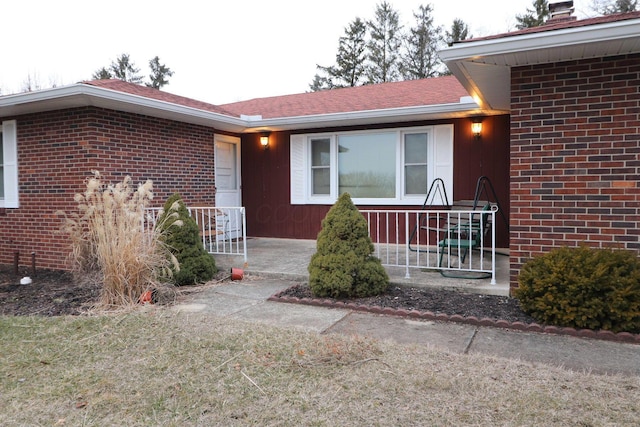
(264, 141)
(476, 127)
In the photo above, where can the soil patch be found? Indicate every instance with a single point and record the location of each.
(51, 293)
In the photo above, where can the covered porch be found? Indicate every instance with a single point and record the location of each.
(288, 259)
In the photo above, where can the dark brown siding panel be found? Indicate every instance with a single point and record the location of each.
(266, 179)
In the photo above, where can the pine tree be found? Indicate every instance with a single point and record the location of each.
(159, 74)
(320, 82)
(420, 59)
(384, 45)
(535, 17)
(350, 60)
(609, 7)
(102, 74)
(459, 31)
(125, 70)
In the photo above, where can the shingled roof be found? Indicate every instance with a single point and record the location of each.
(561, 24)
(409, 93)
(147, 92)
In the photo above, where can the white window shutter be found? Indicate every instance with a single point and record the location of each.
(10, 155)
(298, 170)
(443, 157)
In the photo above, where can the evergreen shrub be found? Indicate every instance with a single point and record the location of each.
(583, 288)
(344, 265)
(196, 265)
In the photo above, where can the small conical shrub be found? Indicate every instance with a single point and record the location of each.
(196, 264)
(344, 265)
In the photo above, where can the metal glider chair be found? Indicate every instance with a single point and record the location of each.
(465, 236)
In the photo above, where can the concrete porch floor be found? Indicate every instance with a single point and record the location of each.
(289, 258)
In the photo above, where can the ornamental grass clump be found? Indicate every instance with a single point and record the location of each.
(109, 237)
(344, 265)
(184, 242)
(583, 288)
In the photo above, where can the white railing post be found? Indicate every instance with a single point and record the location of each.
(406, 245)
(461, 231)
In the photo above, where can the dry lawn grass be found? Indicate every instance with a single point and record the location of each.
(156, 367)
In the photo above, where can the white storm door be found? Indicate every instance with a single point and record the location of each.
(228, 185)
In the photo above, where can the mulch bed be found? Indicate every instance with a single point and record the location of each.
(433, 300)
(51, 293)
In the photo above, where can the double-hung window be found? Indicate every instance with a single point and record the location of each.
(8, 165)
(387, 166)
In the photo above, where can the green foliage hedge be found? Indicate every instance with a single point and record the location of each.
(583, 288)
(344, 265)
(196, 264)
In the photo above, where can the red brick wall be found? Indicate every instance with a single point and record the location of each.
(58, 150)
(575, 146)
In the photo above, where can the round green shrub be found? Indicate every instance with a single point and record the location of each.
(196, 264)
(344, 265)
(583, 288)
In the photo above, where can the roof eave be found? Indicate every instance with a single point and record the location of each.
(81, 95)
(479, 64)
(464, 108)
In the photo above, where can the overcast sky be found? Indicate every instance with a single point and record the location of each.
(220, 51)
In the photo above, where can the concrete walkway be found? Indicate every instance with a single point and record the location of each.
(247, 300)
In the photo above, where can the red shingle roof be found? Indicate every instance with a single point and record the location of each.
(409, 93)
(561, 24)
(147, 92)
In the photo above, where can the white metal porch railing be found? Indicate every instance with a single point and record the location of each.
(223, 230)
(457, 242)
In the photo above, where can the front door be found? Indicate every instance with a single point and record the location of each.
(228, 185)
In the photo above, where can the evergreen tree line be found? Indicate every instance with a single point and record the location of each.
(124, 69)
(373, 51)
(381, 50)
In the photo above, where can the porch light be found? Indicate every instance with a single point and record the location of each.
(264, 141)
(476, 128)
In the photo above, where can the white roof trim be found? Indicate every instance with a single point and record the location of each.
(478, 65)
(466, 107)
(79, 95)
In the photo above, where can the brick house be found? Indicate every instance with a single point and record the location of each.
(212, 154)
(560, 140)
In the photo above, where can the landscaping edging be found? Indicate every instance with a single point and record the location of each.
(622, 337)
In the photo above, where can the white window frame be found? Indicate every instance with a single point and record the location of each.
(10, 165)
(440, 165)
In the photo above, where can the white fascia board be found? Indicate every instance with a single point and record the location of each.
(466, 107)
(475, 63)
(83, 95)
(589, 34)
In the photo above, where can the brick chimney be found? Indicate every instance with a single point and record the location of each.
(560, 12)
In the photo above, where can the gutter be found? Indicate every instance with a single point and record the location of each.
(475, 51)
(79, 95)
